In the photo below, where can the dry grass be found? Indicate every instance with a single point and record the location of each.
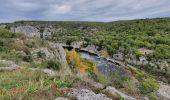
(26, 84)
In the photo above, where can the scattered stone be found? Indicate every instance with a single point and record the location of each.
(145, 51)
(8, 65)
(90, 49)
(98, 85)
(118, 56)
(115, 94)
(94, 84)
(77, 44)
(49, 72)
(48, 32)
(85, 94)
(89, 84)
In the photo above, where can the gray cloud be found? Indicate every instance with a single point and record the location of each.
(82, 10)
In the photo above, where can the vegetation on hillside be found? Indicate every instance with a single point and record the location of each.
(29, 82)
(83, 65)
(126, 37)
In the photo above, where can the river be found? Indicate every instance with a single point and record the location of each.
(103, 65)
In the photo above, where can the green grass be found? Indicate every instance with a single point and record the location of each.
(50, 64)
(9, 54)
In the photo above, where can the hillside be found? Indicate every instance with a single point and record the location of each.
(36, 61)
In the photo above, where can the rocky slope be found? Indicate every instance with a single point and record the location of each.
(40, 58)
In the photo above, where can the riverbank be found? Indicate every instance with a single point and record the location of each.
(129, 69)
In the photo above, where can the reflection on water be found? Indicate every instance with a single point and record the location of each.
(103, 65)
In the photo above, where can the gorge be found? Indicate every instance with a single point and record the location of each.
(124, 60)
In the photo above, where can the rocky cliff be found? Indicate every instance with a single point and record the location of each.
(27, 30)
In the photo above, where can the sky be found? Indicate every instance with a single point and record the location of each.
(82, 10)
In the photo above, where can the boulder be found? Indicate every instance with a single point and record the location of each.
(164, 91)
(118, 56)
(115, 94)
(60, 53)
(163, 64)
(93, 84)
(47, 53)
(49, 72)
(89, 84)
(134, 61)
(91, 49)
(98, 85)
(85, 94)
(145, 51)
(77, 44)
(143, 61)
(47, 33)
(8, 65)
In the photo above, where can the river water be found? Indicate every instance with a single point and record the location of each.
(103, 65)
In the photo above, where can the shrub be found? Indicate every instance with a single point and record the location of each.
(83, 65)
(131, 87)
(53, 65)
(102, 78)
(10, 54)
(27, 58)
(2, 49)
(68, 42)
(41, 54)
(148, 85)
(31, 43)
(93, 76)
(140, 75)
(118, 80)
(7, 34)
(110, 50)
(151, 33)
(152, 96)
(122, 98)
(138, 54)
(168, 75)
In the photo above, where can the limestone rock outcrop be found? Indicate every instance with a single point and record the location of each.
(85, 94)
(8, 65)
(29, 31)
(115, 94)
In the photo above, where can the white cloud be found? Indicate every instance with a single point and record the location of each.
(82, 10)
(59, 9)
